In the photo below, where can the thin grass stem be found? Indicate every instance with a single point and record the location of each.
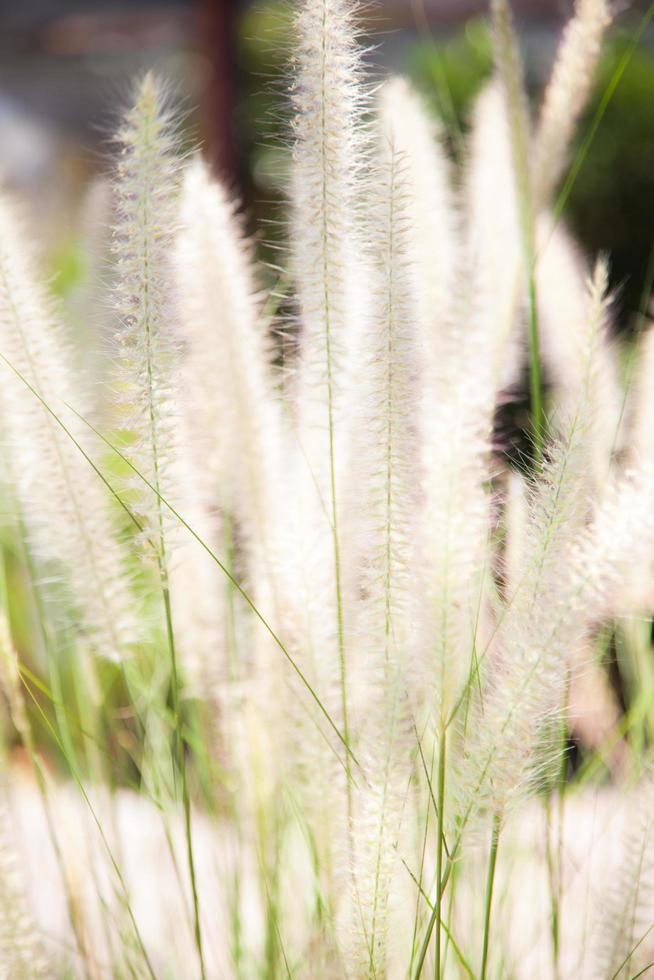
(488, 898)
(439, 850)
(181, 760)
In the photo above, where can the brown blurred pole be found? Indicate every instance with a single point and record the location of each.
(218, 39)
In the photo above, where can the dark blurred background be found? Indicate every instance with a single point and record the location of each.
(65, 70)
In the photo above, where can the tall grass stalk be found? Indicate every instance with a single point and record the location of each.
(326, 189)
(488, 897)
(145, 190)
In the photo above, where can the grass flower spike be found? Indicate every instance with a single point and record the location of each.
(145, 202)
(567, 92)
(326, 192)
(228, 371)
(385, 496)
(61, 501)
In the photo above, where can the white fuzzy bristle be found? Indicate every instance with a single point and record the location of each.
(567, 93)
(61, 501)
(145, 204)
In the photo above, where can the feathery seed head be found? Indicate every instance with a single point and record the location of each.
(145, 201)
(327, 190)
(59, 497)
(234, 443)
(567, 93)
(574, 340)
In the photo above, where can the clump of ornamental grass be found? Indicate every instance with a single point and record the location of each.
(307, 649)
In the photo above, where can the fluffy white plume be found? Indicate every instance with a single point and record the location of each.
(494, 245)
(432, 210)
(386, 495)
(567, 586)
(471, 353)
(232, 418)
(565, 335)
(63, 502)
(567, 93)
(145, 202)
(453, 404)
(326, 246)
(330, 275)
(228, 393)
(234, 447)
(543, 619)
